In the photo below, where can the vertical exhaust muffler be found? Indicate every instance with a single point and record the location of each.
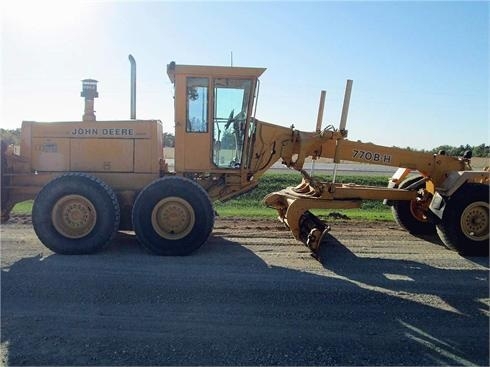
(133, 87)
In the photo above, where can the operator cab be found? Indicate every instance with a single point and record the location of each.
(213, 110)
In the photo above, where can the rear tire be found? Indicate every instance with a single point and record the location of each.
(173, 216)
(411, 215)
(464, 225)
(75, 214)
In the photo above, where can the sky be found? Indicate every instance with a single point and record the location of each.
(420, 69)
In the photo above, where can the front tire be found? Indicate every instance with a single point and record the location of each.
(173, 216)
(465, 222)
(75, 214)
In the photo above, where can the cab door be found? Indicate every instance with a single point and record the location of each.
(195, 125)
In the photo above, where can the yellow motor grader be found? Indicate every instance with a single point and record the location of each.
(91, 178)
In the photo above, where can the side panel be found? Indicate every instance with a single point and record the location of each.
(99, 155)
(142, 159)
(50, 154)
(106, 146)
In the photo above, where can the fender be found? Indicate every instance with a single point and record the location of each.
(451, 184)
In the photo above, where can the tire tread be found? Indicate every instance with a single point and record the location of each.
(59, 245)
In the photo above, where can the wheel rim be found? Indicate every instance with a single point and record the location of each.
(74, 216)
(173, 218)
(418, 211)
(474, 221)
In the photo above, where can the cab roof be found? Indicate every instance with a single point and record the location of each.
(216, 71)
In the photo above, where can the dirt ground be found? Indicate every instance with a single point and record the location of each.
(251, 295)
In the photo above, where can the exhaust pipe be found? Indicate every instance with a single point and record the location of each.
(133, 87)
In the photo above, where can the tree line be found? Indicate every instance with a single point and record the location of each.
(12, 136)
(481, 150)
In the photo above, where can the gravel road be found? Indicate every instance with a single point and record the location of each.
(251, 295)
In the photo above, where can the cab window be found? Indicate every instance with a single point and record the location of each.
(197, 105)
(231, 101)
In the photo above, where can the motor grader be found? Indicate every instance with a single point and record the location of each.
(91, 178)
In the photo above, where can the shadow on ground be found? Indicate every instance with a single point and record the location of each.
(225, 306)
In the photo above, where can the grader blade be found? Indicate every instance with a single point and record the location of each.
(293, 205)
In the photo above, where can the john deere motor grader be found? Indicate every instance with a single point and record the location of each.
(91, 178)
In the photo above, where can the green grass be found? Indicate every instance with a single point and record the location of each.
(332, 215)
(250, 205)
(23, 208)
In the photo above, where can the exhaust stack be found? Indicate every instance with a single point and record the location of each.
(133, 87)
